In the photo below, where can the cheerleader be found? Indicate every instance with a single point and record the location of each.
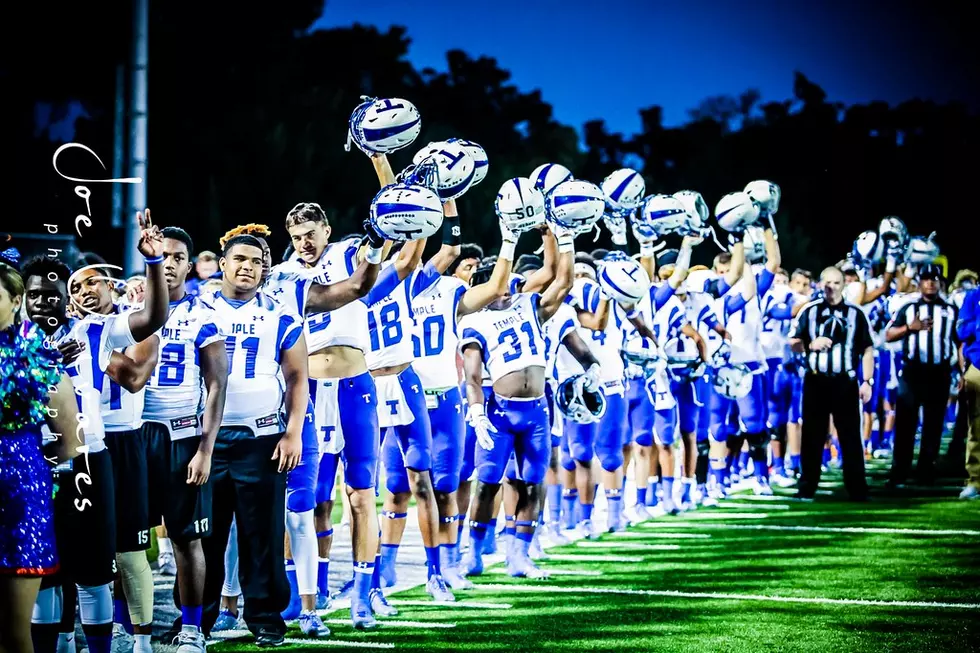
(35, 390)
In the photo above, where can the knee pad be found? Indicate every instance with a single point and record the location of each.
(95, 602)
(611, 458)
(300, 501)
(48, 606)
(137, 581)
(778, 434)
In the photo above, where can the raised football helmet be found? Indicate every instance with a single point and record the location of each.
(405, 212)
(575, 204)
(548, 175)
(922, 250)
(479, 155)
(866, 250)
(765, 194)
(893, 232)
(623, 279)
(624, 189)
(456, 167)
(380, 126)
(736, 211)
(519, 205)
(660, 215)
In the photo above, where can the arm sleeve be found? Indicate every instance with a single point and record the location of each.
(424, 279)
(734, 303)
(779, 311)
(473, 337)
(763, 281)
(661, 294)
(385, 284)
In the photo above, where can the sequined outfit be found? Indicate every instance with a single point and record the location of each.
(26, 508)
(27, 544)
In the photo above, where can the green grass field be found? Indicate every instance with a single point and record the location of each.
(751, 575)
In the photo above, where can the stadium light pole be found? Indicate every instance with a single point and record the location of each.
(137, 131)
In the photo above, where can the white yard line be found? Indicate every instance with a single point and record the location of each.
(665, 536)
(582, 557)
(558, 572)
(693, 516)
(730, 597)
(334, 643)
(631, 546)
(818, 529)
(753, 506)
(476, 605)
(396, 623)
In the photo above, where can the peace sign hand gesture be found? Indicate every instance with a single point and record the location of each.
(151, 238)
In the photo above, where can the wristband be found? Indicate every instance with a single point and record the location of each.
(451, 234)
(566, 243)
(507, 250)
(373, 255)
(151, 261)
(647, 250)
(633, 313)
(476, 410)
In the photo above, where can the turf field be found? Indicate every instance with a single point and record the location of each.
(755, 574)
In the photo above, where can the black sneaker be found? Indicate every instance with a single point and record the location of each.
(267, 638)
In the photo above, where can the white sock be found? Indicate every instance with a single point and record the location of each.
(231, 586)
(164, 545)
(303, 543)
(142, 644)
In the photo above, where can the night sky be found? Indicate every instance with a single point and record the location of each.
(606, 59)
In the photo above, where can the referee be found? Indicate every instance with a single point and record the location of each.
(926, 325)
(835, 337)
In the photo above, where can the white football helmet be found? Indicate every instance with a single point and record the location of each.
(406, 212)
(519, 205)
(736, 211)
(548, 175)
(623, 279)
(479, 155)
(867, 249)
(575, 204)
(624, 189)
(922, 250)
(697, 280)
(456, 167)
(697, 210)
(893, 232)
(578, 404)
(755, 244)
(764, 193)
(661, 215)
(733, 381)
(683, 360)
(380, 126)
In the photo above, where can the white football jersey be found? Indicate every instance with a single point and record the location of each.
(669, 320)
(564, 321)
(391, 324)
(256, 333)
(605, 345)
(745, 326)
(342, 327)
(121, 410)
(100, 335)
(775, 331)
(175, 391)
(435, 340)
(510, 338)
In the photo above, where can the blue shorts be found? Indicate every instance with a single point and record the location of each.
(567, 462)
(640, 412)
(780, 382)
(722, 417)
(326, 477)
(415, 439)
(446, 420)
(549, 395)
(753, 408)
(522, 429)
(301, 481)
(396, 476)
(683, 417)
(604, 439)
(357, 400)
(469, 442)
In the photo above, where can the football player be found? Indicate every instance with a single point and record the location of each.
(506, 336)
(85, 508)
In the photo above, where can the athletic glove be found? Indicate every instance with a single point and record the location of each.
(477, 418)
(592, 377)
(374, 237)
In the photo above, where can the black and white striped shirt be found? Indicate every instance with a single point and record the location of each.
(847, 327)
(937, 346)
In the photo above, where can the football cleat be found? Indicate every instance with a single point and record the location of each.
(554, 534)
(523, 567)
(322, 602)
(587, 530)
(225, 621)
(311, 625)
(969, 493)
(639, 514)
(762, 488)
(670, 508)
(536, 551)
(779, 480)
(380, 605)
(167, 565)
(455, 580)
(190, 639)
(436, 588)
(361, 616)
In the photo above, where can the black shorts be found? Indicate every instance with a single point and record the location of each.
(157, 440)
(85, 521)
(128, 451)
(187, 512)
